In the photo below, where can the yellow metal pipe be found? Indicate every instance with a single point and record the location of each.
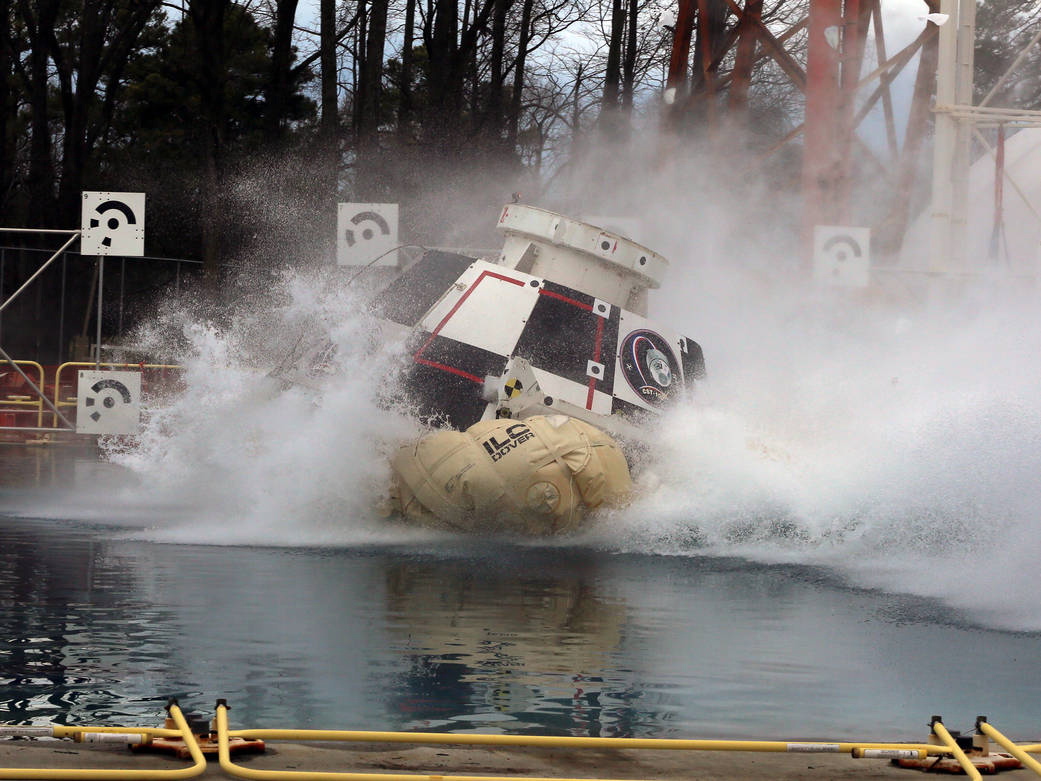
(183, 731)
(953, 748)
(224, 734)
(574, 742)
(89, 364)
(890, 753)
(74, 732)
(39, 401)
(292, 775)
(39, 395)
(1019, 752)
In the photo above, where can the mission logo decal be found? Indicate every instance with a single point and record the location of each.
(647, 361)
(515, 434)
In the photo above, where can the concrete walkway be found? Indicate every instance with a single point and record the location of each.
(441, 761)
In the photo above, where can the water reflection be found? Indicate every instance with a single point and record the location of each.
(39, 466)
(519, 642)
(94, 628)
(58, 629)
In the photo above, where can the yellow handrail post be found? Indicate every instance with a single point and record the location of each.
(952, 745)
(38, 390)
(99, 734)
(1019, 752)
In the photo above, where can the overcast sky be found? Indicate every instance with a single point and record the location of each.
(904, 19)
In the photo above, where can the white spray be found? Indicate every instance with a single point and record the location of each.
(246, 461)
(896, 445)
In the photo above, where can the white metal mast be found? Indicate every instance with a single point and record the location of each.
(953, 136)
(957, 122)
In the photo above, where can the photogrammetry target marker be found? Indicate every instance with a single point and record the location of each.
(365, 232)
(842, 255)
(108, 402)
(113, 224)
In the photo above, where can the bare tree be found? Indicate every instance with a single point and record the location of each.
(1004, 29)
(280, 81)
(8, 104)
(207, 18)
(39, 24)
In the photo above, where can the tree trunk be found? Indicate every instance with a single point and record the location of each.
(370, 183)
(78, 90)
(207, 18)
(679, 58)
(576, 106)
(361, 35)
(40, 29)
(516, 99)
(712, 27)
(279, 81)
(442, 49)
(330, 118)
(329, 122)
(613, 71)
(371, 80)
(107, 35)
(495, 107)
(629, 61)
(7, 109)
(610, 120)
(405, 88)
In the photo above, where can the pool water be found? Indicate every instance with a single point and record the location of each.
(98, 625)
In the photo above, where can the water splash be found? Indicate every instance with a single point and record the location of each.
(248, 461)
(900, 451)
(897, 447)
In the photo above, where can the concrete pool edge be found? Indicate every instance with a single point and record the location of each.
(440, 760)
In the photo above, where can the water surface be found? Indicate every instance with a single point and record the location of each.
(462, 634)
(838, 536)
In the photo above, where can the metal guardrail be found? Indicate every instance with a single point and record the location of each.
(71, 402)
(22, 401)
(12, 403)
(1022, 753)
(946, 746)
(128, 735)
(942, 744)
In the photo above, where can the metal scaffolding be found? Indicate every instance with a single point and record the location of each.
(841, 89)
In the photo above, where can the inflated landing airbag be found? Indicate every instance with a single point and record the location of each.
(537, 476)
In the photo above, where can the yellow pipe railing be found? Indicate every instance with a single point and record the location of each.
(944, 745)
(58, 402)
(866, 749)
(26, 401)
(1019, 752)
(954, 749)
(103, 734)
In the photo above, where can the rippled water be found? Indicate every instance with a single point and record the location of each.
(455, 634)
(838, 537)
